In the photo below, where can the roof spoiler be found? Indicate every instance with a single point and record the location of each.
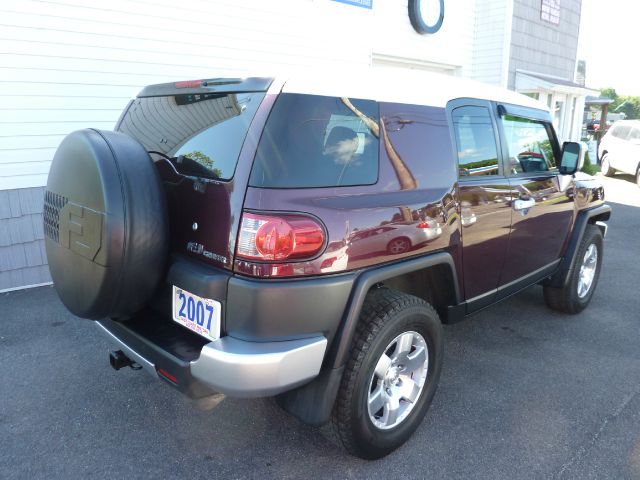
(211, 85)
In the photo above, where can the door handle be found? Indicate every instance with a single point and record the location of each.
(523, 204)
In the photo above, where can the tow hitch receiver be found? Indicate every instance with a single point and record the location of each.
(119, 360)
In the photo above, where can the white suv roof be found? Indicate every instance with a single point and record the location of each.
(401, 86)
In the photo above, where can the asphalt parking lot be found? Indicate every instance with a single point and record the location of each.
(524, 393)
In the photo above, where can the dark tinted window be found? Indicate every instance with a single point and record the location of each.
(621, 131)
(634, 135)
(316, 141)
(415, 150)
(201, 134)
(530, 145)
(476, 141)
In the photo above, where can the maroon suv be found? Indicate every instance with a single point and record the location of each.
(308, 238)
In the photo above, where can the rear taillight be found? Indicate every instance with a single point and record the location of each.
(423, 225)
(189, 84)
(279, 237)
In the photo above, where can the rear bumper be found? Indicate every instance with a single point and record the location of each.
(228, 365)
(251, 369)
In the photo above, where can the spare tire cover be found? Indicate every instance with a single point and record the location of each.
(105, 221)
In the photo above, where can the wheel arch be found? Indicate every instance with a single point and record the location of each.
(602, 154)
(312, 403)
(593, 216)
(400, 276)
(399, 237)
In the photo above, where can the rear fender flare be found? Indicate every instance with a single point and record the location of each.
(339, 352)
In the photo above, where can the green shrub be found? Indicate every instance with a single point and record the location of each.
(588, 167)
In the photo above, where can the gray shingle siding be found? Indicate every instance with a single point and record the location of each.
(542, 47)
(23, 260)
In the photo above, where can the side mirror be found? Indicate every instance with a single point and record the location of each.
(572, 158)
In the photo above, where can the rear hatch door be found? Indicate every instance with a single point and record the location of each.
(201, 135)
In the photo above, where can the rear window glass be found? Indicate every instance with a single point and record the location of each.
(317, 141)
(201, 134)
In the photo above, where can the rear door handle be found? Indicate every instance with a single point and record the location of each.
(523, 204)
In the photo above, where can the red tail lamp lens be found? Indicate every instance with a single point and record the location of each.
(279, 237)
(423, 225)
(189, 84)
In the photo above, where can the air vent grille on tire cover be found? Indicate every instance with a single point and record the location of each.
(53, 203)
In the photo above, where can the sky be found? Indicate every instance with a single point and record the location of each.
(609, 33)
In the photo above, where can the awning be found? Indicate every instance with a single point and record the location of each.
(531, 82)
(598, 101)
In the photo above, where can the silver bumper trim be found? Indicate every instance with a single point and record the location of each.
(252, 369)
(132, 354)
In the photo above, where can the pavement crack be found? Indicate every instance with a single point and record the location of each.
(593, 439)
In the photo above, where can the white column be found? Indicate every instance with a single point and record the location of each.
(577, 124)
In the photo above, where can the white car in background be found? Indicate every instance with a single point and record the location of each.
(394, 238)
(619, 149)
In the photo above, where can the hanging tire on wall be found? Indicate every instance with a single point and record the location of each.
(105, 222)
(391, 376)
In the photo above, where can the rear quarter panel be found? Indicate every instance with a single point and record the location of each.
(417, 181)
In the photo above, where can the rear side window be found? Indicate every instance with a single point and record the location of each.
(621, 131)
(530, 145)
(201, 134)
(317, 141)
(476, 141)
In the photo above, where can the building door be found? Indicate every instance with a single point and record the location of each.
(540, 207)
(484, 198)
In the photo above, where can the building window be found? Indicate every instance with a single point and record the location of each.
(550, 11)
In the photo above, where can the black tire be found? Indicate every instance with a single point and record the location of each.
(106, 224)
(567, 299)
(386, 315)
(398, 246)
(605, 166)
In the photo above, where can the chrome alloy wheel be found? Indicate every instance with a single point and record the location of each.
(398, 245)
(587, 270)
(398, 380)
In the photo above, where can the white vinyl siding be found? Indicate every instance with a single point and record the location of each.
(492, 44)
(395, 42)
(71, 64)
